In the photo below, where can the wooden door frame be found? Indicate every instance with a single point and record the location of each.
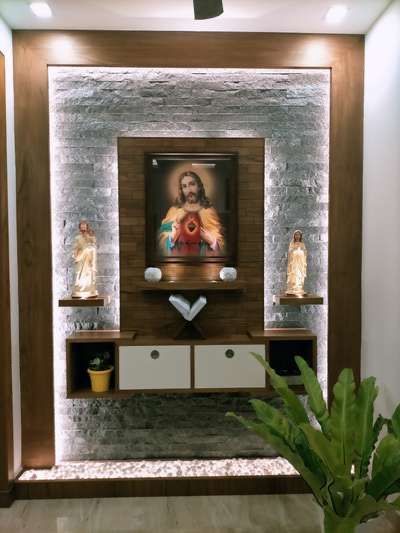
(34, 51)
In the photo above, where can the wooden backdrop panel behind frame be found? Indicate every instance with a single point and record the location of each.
(34, 51)
(150, 313)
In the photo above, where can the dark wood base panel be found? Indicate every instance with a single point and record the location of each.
(8, 496)
(30, 490)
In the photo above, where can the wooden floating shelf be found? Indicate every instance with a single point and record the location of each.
(98, 301)
(87, 393)
(281, 333)
(173, 286)
(101, 335)
(310, 299)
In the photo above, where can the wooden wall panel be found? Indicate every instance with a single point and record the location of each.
(345, 216)
(34, 259)
(6, 418)
(35, 50)
(148, 313)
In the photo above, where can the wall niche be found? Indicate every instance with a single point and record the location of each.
(90, 108)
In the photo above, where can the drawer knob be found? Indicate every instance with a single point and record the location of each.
(155, 354)
(229, 353)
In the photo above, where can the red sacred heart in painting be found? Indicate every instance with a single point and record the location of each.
(190, 228)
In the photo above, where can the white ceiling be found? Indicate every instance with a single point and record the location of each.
(301, 16)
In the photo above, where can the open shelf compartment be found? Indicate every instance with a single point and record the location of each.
(78, 356)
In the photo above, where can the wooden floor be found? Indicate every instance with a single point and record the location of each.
(198, 514)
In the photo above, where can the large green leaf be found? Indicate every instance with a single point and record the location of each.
(315, 397)
(385, 468)
(394, 425)
(340, 492)
(343, 418)
(280, 445)
(323, 448)
(295, 409)
(364, 436)
(362, 510)
(348, 491)
(334, 523)
(386, 447)
(279, 424)
(376, 430)
(276, 422)
(367, 507)
(394, 489)
(311, 459)
(396, 503)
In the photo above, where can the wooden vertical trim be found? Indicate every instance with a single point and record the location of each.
(34, 259)
(35, 50)
(345, 215)
(6, 414)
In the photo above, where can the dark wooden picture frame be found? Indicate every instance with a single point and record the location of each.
(191, 208)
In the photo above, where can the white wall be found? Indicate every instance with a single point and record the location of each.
(381, 216)
(6, 49)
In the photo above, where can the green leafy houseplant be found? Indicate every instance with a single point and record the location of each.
(101, 361)
(100, 369)
(334, 459)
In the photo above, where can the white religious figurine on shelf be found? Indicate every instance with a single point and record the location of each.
(297, 266)
(85, 256)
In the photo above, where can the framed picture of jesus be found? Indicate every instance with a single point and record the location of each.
(191, 207)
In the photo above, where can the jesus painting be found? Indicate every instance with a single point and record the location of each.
(198, 221)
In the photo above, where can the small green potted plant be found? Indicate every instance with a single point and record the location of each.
(333, 454)
(100, 369)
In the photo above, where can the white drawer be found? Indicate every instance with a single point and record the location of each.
(227, 366)
(154, 367)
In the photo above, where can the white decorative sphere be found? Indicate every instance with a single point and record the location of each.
(228, 274)
(152, 274)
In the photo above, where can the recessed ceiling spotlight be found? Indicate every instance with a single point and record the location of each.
(41, 9)
(336, 13)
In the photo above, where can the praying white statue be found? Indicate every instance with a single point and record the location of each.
(297, 265)
(85, 256)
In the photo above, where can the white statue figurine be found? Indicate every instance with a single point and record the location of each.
(297, 265)
(85, 256)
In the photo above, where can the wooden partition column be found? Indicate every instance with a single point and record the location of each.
(6, 420)
(35, 51)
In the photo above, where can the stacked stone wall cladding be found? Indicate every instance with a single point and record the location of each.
(89, 110)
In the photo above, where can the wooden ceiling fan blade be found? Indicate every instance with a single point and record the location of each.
(207, 9)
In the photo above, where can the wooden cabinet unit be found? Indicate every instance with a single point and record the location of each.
(153, 365)
(228, 366)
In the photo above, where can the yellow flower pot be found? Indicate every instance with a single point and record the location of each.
(100, 379)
